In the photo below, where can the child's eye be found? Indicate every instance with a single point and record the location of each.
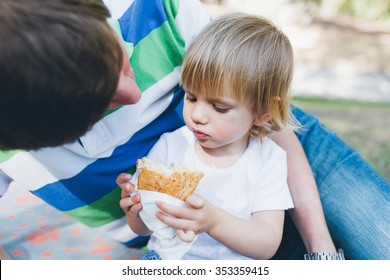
(190, 97)
(220, 108)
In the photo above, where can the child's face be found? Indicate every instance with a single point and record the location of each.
(217, 123)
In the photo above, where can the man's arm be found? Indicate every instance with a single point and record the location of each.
(308, 215)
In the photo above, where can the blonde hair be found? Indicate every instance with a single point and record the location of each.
(250, 56)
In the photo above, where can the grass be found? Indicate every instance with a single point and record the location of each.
(364, 126)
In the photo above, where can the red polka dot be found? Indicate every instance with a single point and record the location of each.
(47, 254)
(49, 209)
(75, 232)
(42, 219)
(66, 218)
(18, 253)
(26, 198)
(42, 237)
(69, 250)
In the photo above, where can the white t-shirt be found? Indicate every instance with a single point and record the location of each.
(257, 181)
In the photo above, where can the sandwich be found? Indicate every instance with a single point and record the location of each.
(176, 181)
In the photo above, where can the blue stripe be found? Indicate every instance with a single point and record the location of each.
(98, 179)
(141, 18)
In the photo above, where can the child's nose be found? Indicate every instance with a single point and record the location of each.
(199, 114)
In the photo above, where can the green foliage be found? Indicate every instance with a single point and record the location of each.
(370, 9)
(367, 9)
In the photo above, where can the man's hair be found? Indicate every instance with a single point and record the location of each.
(249, 56)
(59, 68)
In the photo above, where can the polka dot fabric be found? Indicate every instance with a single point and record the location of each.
(31, 229)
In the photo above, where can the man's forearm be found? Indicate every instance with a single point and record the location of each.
(308, 214)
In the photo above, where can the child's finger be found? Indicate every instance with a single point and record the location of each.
(186, 235)
(136, 198)
(131, 204)
(127, 189)
(195, 201)
(125, 204)
(122, 179)
(174, 222)
(176, 211)
(134, 210)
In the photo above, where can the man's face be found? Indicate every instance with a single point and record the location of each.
(127, 91)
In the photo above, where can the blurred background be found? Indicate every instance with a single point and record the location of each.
(342, 65)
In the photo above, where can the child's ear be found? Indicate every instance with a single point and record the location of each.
(267, 116)
(262, 120)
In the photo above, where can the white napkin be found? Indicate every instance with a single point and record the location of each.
(164, 239)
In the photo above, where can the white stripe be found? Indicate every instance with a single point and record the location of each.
(190, 20)
(27, 171)
(117, 7)
(118, 230)
(62, 162)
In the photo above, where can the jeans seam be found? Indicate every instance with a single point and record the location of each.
(354, 153)
(365, 165)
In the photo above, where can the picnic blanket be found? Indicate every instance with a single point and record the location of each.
(32, 229)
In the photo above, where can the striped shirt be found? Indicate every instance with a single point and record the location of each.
(79, 178)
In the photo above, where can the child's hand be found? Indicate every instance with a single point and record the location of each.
(131, 205)
(199, 217)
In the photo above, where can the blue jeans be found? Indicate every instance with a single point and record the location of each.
(355, 198)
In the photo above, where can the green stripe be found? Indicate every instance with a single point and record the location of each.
(152, 62)
(172, 8)
(103, 211)
(131, 170)
(5, 155)
(96, 214)
(129, 47)
(115, 25)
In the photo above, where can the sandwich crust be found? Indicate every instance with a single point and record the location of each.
(179, 182)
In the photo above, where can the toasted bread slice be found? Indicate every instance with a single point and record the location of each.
(178, 182)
